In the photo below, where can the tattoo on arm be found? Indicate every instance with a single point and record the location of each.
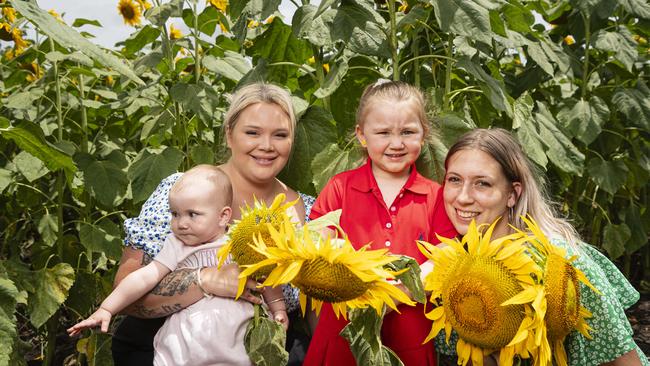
(177, 282)
(163, 311)
(146, 259)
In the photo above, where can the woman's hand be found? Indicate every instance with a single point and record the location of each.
(223, 282)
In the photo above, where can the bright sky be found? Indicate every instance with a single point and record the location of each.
(113, 28)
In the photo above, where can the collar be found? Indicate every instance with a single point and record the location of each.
(366, 181)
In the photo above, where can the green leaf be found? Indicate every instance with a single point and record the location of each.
(518, 17)
(158, 15)
(324, 5)
(609, 175)
(105, 181)
(277, 44)
(24, 100)
(75, 57)
(97, 239)
(6, 178)
(614, 239)
(493, 88)
(333, 80)
(264, 340)
(411, 278)
(306, 25)
(496, 23)
(29, 137)
(585, 119)
(332, 160)
(526, 131)
(635, 105)
(150, 169)
(200, 99)
(363, 335)
(8, 300)
(68, 37)
(141, 38)
(640, 8)
(313, 133)
(638, 235)
(52, 285)
(29, 166)
(620, 43)
(561, 151)
(254, 8)
(208, 20)
(202, 154)
(452, 126)
(232, 65)
(47, 227)
(361, 29)
(467, 18)
(80, 22)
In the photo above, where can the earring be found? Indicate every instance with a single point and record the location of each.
(363, 143)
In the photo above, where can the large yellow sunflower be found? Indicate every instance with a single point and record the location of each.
(253, 226)
(219, 4)
(329, 270)
(131, 12)
(485, 291)
(560, 280)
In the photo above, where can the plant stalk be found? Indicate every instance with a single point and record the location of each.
(585, 64)
(60, 179)
(393, 39)
(84, 149)
(450, 50)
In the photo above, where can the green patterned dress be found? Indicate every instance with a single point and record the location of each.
(612, 333)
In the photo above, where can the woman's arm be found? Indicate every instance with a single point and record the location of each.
(628, 359)
(179, 289)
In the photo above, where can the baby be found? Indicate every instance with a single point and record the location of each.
(212, 330)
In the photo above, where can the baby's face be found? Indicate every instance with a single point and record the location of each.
(196, 214)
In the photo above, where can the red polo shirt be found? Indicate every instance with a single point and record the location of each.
(416, 214)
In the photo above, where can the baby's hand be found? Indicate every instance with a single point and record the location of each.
(282, 317)
(101, 317)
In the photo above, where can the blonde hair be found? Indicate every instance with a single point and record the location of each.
(515, 165)
(219, 180)
(395, 91)
(259, 93)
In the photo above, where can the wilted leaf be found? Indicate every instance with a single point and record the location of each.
(147, 172)
(52, 285)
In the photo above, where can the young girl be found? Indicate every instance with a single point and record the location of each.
(388, 204)
(211, 331)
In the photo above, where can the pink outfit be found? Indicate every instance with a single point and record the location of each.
(208, 332)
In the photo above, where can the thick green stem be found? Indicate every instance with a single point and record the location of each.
(393, 39)
(450, 50)
(197, 55)
(416, 67)
(84, 149)
(52, 327)
(585, 64)
(60, 179)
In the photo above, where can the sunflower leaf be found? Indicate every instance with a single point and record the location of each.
(363, 334)
(265, 340)
(410, 278)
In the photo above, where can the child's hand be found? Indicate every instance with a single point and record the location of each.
(101, 317)
(282, 317)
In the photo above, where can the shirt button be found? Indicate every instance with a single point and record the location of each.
(387, 243)
(388, 225)
(401, 195)
(393, 209)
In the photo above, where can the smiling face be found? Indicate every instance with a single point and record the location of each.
(393, 135)
(197, 216)
(475, 188)
(260, 142)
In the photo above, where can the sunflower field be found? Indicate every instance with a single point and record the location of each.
(87, 133)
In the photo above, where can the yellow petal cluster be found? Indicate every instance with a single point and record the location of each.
(329, 270)
(221, 5)
(484, 290)
(131, 11)
(174, 33)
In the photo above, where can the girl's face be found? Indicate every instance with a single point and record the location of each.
(475, 188)
(260, 142)
(197, 217)
(393, 136)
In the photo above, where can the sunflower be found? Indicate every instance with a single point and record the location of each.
(144, 4)
(35, 71)
(329, 270)
(221, 5)
(9, 14)
(6, 33)
(561, 293)
(174, 33)
(485, 290)
(252, 226)
(131, 11)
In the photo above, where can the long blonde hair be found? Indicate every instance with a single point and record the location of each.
(515, 165)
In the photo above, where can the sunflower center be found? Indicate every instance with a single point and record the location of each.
(562, 297)
(474, 295)
(5, 34)
(330, 282)
(127, 11)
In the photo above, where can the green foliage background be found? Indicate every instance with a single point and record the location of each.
(86, 142)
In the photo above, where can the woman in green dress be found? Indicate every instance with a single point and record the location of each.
(488, 177)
